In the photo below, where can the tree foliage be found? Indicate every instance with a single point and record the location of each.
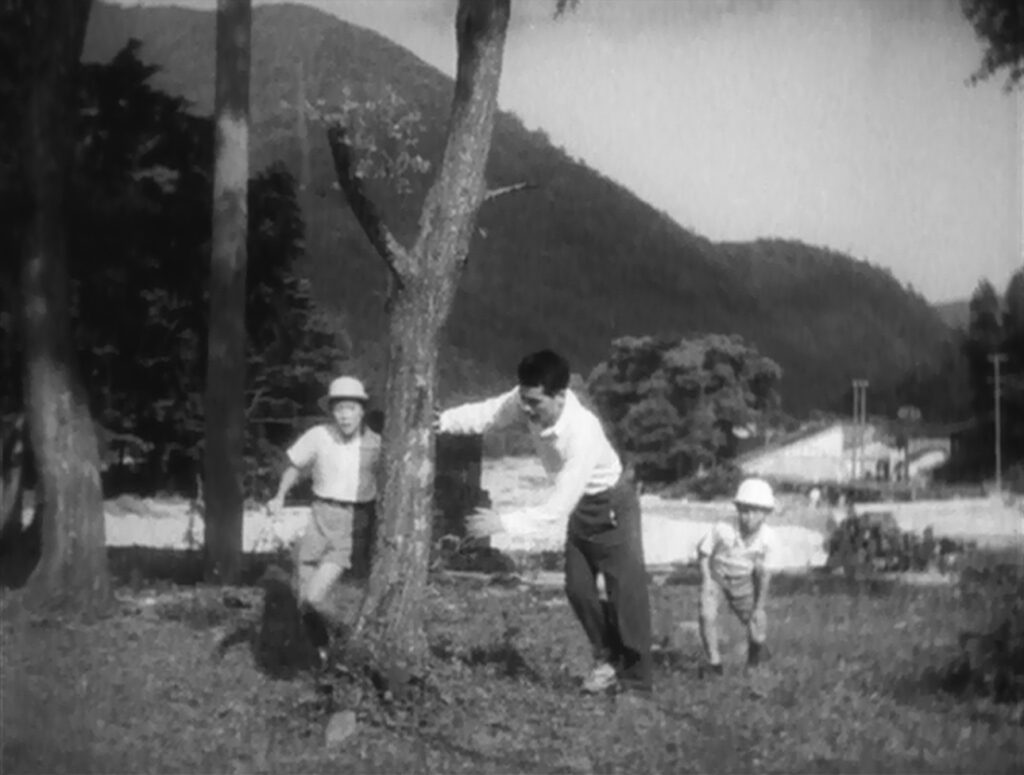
(999, 24)
(984, 338)
(672, 405)
(140, 264)
(996, 327)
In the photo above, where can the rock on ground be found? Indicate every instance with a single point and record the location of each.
(340, 727)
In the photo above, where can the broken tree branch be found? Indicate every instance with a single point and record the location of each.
(384, 242)
(494, 193)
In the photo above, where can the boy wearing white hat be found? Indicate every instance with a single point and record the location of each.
(734, 565)
(342, 457)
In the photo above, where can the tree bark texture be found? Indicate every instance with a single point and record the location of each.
(426, 276)
(225, 373)
(72, 571)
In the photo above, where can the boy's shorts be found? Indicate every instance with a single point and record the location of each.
(738, 592)
(341, 534)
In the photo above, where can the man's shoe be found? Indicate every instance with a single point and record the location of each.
(757, 654)
(601, 679)
(712, 670)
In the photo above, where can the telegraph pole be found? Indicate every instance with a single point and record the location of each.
(853, 449)
(860, 419)
(997, 359)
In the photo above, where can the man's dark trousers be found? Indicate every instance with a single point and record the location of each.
(604, 537)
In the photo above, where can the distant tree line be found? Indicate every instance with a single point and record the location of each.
(996, 327)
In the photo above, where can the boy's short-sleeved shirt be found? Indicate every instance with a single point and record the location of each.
(341, 470)
(732, 555)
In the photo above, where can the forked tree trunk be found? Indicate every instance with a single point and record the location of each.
(224, 406)
(391, 615)
(72, 571)
(424, 281)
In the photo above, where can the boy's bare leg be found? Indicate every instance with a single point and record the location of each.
(317, 582)
(757, 634)
(710, 595)
(757, 624)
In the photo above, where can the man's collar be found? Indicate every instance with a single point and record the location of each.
(570, 405)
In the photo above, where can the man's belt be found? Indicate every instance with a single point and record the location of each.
(343, 504)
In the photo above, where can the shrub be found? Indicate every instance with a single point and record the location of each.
(869, 543)
(991, 659)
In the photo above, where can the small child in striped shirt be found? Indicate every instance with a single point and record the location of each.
(734, 566)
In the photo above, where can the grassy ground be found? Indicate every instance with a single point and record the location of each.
(847, 690)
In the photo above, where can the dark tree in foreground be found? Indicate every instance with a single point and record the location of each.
(224, 404)
(72, 572)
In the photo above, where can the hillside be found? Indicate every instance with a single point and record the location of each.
(572, 265)
(955, 314)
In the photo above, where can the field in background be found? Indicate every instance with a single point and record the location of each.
(672, 528)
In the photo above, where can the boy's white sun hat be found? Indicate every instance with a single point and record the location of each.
(348, 388)
(756, 493)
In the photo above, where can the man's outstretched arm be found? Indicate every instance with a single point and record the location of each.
(480, 416)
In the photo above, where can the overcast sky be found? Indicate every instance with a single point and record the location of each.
(842, 123)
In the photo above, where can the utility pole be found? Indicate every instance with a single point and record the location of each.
(997, 359)
(860, 419)
(853, 449)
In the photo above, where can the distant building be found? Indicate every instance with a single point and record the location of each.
(845, 452)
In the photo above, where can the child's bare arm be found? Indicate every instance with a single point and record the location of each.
(705, 549)
(706, 577)
(762, 577)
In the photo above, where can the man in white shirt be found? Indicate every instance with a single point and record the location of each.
(600, 509)
(734, 565)
(342, 457)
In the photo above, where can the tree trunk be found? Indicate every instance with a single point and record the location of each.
(72, 571)
(225, 372)
(425, 279)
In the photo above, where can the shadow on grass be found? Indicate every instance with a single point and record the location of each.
(790, 583)
(676, 660)
(135, 565)
(503, 655)
(820, 582)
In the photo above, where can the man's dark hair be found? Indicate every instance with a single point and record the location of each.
(547, 369)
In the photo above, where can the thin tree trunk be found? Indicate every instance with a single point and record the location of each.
(72, 571)
(225, 374)
(423, 289)
(302, 131)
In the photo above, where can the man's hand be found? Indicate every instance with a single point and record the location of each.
(758, 620)
(274, 506)
(482, 524)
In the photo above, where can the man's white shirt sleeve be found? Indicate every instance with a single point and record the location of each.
(582, 454)
(768, 546)
(302, 453)
(481, 416)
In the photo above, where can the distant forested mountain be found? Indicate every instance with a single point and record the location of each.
(572, 264)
